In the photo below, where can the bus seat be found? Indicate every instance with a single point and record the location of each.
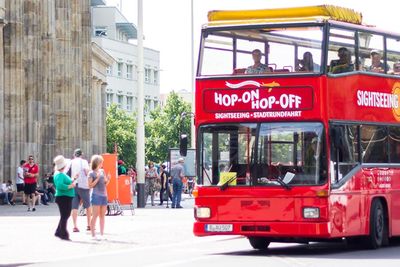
(282, 70)
(239, 71)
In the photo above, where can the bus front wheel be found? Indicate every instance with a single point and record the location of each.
(260, 243)
(378, 231)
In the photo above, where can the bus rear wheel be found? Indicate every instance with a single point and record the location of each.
(378, 231)
(260, 243)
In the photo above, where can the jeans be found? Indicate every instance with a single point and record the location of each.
(64, 204)
(176, 197)
(6, 197)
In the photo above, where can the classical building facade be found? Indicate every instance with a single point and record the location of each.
(49, 99)
(114, 33)
(101, 61)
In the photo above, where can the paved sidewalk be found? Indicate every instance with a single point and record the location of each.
(28, 237)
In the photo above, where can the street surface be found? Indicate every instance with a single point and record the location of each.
(156, 236)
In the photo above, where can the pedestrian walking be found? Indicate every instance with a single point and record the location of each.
(31, 173)
(177, 174)
(132, 173)
(98, 181)
(19, 181)
(164, 177)
(80, 168)
(64, 195)
(150, 182)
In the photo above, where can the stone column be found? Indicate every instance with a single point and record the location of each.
(2, 23)
(15, 109)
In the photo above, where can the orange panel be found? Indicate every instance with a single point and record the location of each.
(124, 189)
(110, 167)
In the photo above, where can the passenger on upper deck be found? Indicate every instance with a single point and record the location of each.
(343, 64)
(396, 68)
(377, 65)
(307, 63)
(258, 67)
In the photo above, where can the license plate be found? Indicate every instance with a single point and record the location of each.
(219, 227)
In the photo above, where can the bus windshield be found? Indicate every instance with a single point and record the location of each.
(261, 51)
(259, 154)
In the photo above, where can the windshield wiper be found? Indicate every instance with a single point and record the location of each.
(225, 185)
(283, 184)
(208, 177)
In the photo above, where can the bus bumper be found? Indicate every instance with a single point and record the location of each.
(317, 230)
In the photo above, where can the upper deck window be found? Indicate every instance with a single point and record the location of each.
(341, 51)
(261, 51)
(393, 55)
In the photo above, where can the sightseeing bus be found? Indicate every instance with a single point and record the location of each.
(297, 127)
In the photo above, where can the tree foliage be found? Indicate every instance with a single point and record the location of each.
(121, 131)
(164, 127)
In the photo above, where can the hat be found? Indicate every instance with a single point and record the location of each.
(120, 162)
(77, 152)
(59, 162)
(375, 52)
(181, 160)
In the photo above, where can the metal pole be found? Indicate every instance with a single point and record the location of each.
(193, 130)
(140, 139)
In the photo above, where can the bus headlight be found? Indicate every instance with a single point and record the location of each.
(311, 213)
(203, 212)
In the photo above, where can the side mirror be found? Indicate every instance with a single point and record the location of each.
(183, 143)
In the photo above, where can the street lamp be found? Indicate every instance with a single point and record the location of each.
(193, 71)
(141, 201)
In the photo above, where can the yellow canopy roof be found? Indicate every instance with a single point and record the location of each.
(222, 17)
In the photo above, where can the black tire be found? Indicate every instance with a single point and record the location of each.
(260, 243)
(378, 230)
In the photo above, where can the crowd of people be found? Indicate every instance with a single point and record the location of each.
(76, 183)
(341, 65)
(80, 183)
(169, 185)
(28, 186)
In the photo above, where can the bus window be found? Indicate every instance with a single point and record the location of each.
(393, 55)
(304, 64)
(341, 54)
(219, 49)
(297, 148)
(394, 144)
(282, 148)
(226, 148)
(281, 50)
(344, 151)
(244, 56)
(374, 143)
(371, 52)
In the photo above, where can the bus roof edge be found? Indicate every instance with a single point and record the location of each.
(328, 11)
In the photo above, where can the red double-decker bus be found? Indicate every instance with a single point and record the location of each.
(298, 134)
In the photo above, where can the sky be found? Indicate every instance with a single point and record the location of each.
(167, 27)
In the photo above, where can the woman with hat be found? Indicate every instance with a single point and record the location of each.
(64, 194)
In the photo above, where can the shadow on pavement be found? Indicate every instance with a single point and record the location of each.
(323, 250)
(15, 264)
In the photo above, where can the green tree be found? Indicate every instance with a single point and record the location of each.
(164, 128)
(121, 131)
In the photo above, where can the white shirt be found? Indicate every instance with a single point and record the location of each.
(20, 175)
(79, 165)
(4, 188)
